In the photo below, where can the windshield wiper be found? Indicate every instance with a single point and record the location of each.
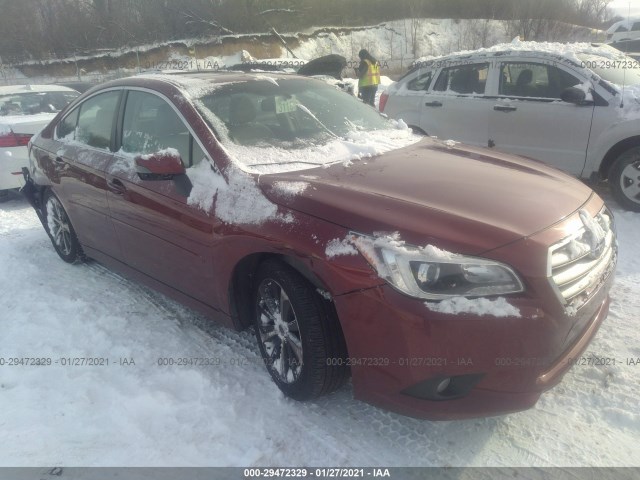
(310, 113)
(285, 163)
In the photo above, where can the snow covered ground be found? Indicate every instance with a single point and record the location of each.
(151, 415)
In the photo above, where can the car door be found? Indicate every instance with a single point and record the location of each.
(457, 107)
(407, 98)
(161, 235)
(529, 118)
(84, 143)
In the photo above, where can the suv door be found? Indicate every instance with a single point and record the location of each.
(160, 234)
(407, 101)
(529, 118)
(84, 141)
(456, 107)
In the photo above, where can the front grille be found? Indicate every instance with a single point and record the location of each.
(580, 263)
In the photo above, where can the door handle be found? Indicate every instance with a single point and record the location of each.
(433, 104)
(505, 108)
(116, 186)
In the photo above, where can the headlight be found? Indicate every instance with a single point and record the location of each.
(435, 274)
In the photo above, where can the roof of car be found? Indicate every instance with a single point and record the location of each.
(193, 80)
(13, 89)
(565, 51)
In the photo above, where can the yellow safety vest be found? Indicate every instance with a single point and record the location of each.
(372, 77)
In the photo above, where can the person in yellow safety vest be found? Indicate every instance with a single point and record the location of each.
(369, 77)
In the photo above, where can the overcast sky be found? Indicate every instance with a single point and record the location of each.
(621, 7)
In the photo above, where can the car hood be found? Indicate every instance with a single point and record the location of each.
(465, 199)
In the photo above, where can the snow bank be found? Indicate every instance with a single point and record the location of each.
(476, 306)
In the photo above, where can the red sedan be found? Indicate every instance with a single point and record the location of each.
(448, 281)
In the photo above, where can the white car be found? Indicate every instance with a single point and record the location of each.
(574, 106)
(624, 31)
(24, 111)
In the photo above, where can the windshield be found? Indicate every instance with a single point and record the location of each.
(30, 103)
(622, 70)
(271, 121)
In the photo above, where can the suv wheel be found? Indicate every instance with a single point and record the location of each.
(298, 334)
(62, 235)
(625, 179)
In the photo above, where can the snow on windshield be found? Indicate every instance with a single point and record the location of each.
(286, 124)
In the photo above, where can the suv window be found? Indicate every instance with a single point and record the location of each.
(621, 29)
(466, 79)
(421, 82)
(536, 80)
(635, 27)
(151, 124)
(95, 122)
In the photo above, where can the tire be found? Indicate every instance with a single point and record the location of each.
(60, 231)
(306, 353)
(624, 179)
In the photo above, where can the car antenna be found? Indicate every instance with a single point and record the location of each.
(624, 70)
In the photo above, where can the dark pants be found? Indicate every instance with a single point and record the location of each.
(368, 94)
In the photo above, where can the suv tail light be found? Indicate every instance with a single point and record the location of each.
(383, 101)
(10, 139)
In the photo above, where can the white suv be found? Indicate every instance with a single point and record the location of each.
(574, 106)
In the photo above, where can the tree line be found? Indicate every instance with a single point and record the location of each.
(40, 29)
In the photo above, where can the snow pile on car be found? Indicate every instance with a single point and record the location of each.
(238, 201)
(498, 307)
(355, 146)
(338, 247)
(568, 51)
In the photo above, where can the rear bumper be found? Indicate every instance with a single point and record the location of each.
(12, 160)
(400, 350)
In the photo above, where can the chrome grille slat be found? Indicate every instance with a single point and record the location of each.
(577, 271)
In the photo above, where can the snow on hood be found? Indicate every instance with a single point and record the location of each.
(419, 191)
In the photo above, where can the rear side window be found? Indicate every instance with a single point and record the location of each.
(421, 82)
(534, 80)
(465, 79)
(151, 125)
(67, 127)
(95, 122)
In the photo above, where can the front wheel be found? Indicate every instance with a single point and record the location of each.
(61, 232)
(625, 179)
(298, 334)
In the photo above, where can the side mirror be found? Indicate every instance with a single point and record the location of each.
(162, 165)
(574, 95)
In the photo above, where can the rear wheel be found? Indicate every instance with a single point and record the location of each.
(298, 334)
(625, 179)
(61, 232)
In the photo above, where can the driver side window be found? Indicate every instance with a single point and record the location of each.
(151, 125)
